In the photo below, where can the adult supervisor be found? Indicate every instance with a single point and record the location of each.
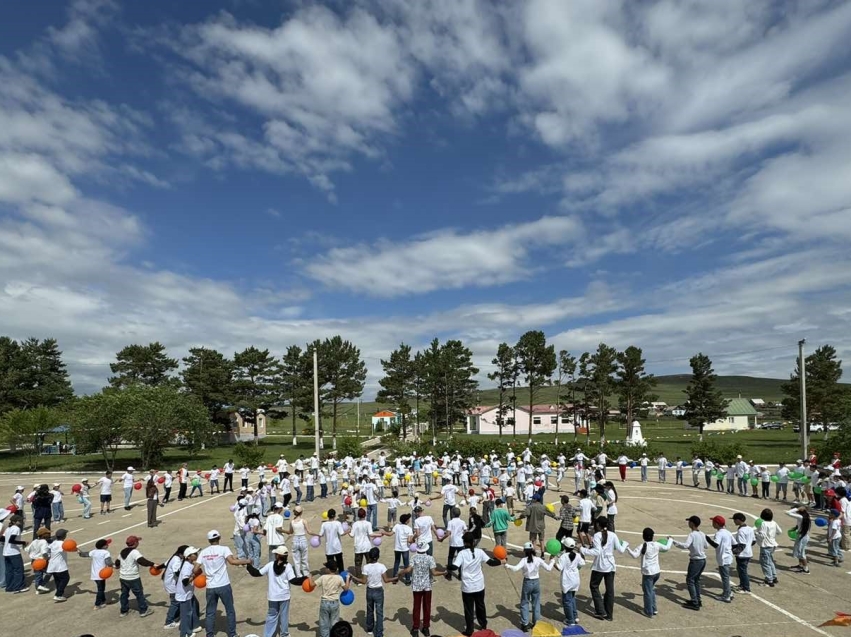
(213, 562)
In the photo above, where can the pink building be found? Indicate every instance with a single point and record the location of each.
(483, 420)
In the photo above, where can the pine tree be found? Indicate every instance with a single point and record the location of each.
(824, 393)
(146, 365)
(397, 383)
(504, 375)
(704, 403)
(342, 375)
(296, 385)
(255, 380)
(565, 377)
(602, 365)
(537, 362)
(208, 375)
(634, 384)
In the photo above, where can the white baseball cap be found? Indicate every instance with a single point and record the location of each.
(213, 535)
(130, 469)
(189, 550)
(568, 542)
(281, 550)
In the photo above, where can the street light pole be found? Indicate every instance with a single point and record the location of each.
(316, 400)
(802, 367)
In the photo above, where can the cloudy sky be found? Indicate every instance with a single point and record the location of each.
(674, 175)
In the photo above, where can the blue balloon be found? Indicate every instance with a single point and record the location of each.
(347, 597)
(821, 522)
(287, 513)
(632, 465)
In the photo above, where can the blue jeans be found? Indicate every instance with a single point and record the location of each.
(134, 586)
(100, 595)
(401, 556)
(323, 490)
(695, 570)
(128, 493)
(188, 616)
(372, 515)
(724, 572)
(253, 543)
(224, 593)
(329, 614)
(530, 595)
(297, 495)
(87, 507)
(310, 493)
(278, 616)
(375, 611)
(447, 509)
(648, 586)
(14, 572)
(644, 474)
(766, 561)
(568, 602)
(240, 545)
(173, 612)
(742, 569)
(58, 511)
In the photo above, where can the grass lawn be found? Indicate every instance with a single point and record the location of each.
(174, 457)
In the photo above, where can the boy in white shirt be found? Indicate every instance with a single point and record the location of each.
(723, 545)
(834, 536)
(743, 550)
(100, 558)
(214, 480)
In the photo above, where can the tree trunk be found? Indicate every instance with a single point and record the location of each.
(558, 408)
(531, 404)
(295, 433)
(334, 427)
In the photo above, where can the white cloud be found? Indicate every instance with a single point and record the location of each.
(445, 259)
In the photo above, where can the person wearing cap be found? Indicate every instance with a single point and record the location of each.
(743, 543)
(105, 483)
(128, 562)
(152, 494)
(834, 536)
(280, 575)
(100, 558)
(569, 563)
(39, 549)
(421, 571)
(696, 545)
(13, 556)
(213, 562)
(643, 462)
(56, 506)
(184, 593)
(299, 530)
(17, 500)
(722, 542)
(530, 593)
(127, 481)
(85, 499)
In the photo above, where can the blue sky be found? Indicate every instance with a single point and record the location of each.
(673, 175)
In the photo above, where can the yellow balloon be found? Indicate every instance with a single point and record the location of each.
(550, 507)
(363, 502)
(518, 522)
(325, 515)
(576, 520)
(345, 485)
(435, 474)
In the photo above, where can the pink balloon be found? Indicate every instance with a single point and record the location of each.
(315, 542)
(428, 503)
(440, 534)
(376, 541)
(232, 508)
(246, 528)
(412, 548)
(345, 527)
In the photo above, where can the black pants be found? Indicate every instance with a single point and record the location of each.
(181, 493)
(244, 483)
(453, 551)
(167, 496)
(287, 498)
(603, 605)
(475, 602)
(228, 482)
(41, 516)
(338, 559)
(61, 580)
(563, 532)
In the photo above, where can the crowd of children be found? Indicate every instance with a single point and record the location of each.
(497, 492)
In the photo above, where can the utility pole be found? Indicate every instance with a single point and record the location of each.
(316, 400)
(802, 365)
(357, 424)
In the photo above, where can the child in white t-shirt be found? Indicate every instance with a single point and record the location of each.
(834, 536)
(100, 558)
(38, 549)
(374, 576)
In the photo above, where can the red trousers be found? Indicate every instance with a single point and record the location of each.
(422, 600)
(622, 469)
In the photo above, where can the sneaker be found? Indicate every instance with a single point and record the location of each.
(197, 629)
(59, 598)
(171, 625)
(805, 571)
(146, 613)
(767, 584)
(691, 605)
(42, 589)
(726, 600)
(426, 632)
(23, 590)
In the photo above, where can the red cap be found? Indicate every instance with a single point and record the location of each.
(132, 540)
(830, 492)
(719, 520)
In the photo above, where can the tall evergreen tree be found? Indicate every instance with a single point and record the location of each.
(537, 362)
(255, 373)
(147, 365)
(418, 387)
(634, 384)
(825, 400)
(342, 376)
(296, 385)
(602, 366)
(208, 375)
(565, 378)
(461, 383)
(397, 383)
(32, 374)
(504, 375)
(704, 402)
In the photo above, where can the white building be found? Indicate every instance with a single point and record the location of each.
(740, 416)
(483, 420)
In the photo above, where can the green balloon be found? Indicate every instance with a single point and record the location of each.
(805, 480)
(663, 541)
(754, 482)
(816, 490)
(758, 522)
(553, 547)
(747, 476)
(793, 534)
(775, 479)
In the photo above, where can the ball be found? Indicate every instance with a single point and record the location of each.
(325, 515)
(287, 513)
(105, 572)
(160, 480)
(346, 527)
(315, 542)
(428, 503)
(793, 534)
(347, 597)
(376, 541)
(69, 545)
(76, 488)
(156, 572)
(518, 522)
(553, 547)
(500, 553)
(821, 522)
(440, 534)
(200, 581)
(411, 547)
(39, 564)
(138, 486)
(232, 508)
(307, 586)
(758, 522)
(362, 502)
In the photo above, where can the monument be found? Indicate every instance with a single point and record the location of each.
(635, 439)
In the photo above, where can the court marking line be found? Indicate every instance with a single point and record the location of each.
(164, 515)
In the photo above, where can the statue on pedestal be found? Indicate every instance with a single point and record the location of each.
(634, 437)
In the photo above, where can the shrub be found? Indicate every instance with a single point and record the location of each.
(248, 455)
(349, 447)
(718, 451)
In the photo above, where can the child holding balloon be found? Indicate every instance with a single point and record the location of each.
(650, 569)
(101, 569)
(375, 577)
(332, 531)
(57, 563)
(331, 586)
(37, 551)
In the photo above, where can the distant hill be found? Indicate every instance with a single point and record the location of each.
(670, 389)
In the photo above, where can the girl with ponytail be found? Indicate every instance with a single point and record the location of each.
(470, 562)
(650, 569)
(603, 547)
(530, 594)
(569, 563)
(170, 572)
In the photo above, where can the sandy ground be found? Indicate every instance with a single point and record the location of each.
(794, 608)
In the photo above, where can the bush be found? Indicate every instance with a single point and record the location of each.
(250, 455)
(718, 451)
(349, 447)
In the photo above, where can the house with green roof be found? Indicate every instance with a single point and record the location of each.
(741, 415)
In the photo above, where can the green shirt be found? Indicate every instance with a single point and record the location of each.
(499, 520)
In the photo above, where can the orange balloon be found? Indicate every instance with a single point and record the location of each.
(307, 586)
(39, 564)
(500, 553)
(200, 581)
(155, 571)
(105, 572)
(69, 545)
